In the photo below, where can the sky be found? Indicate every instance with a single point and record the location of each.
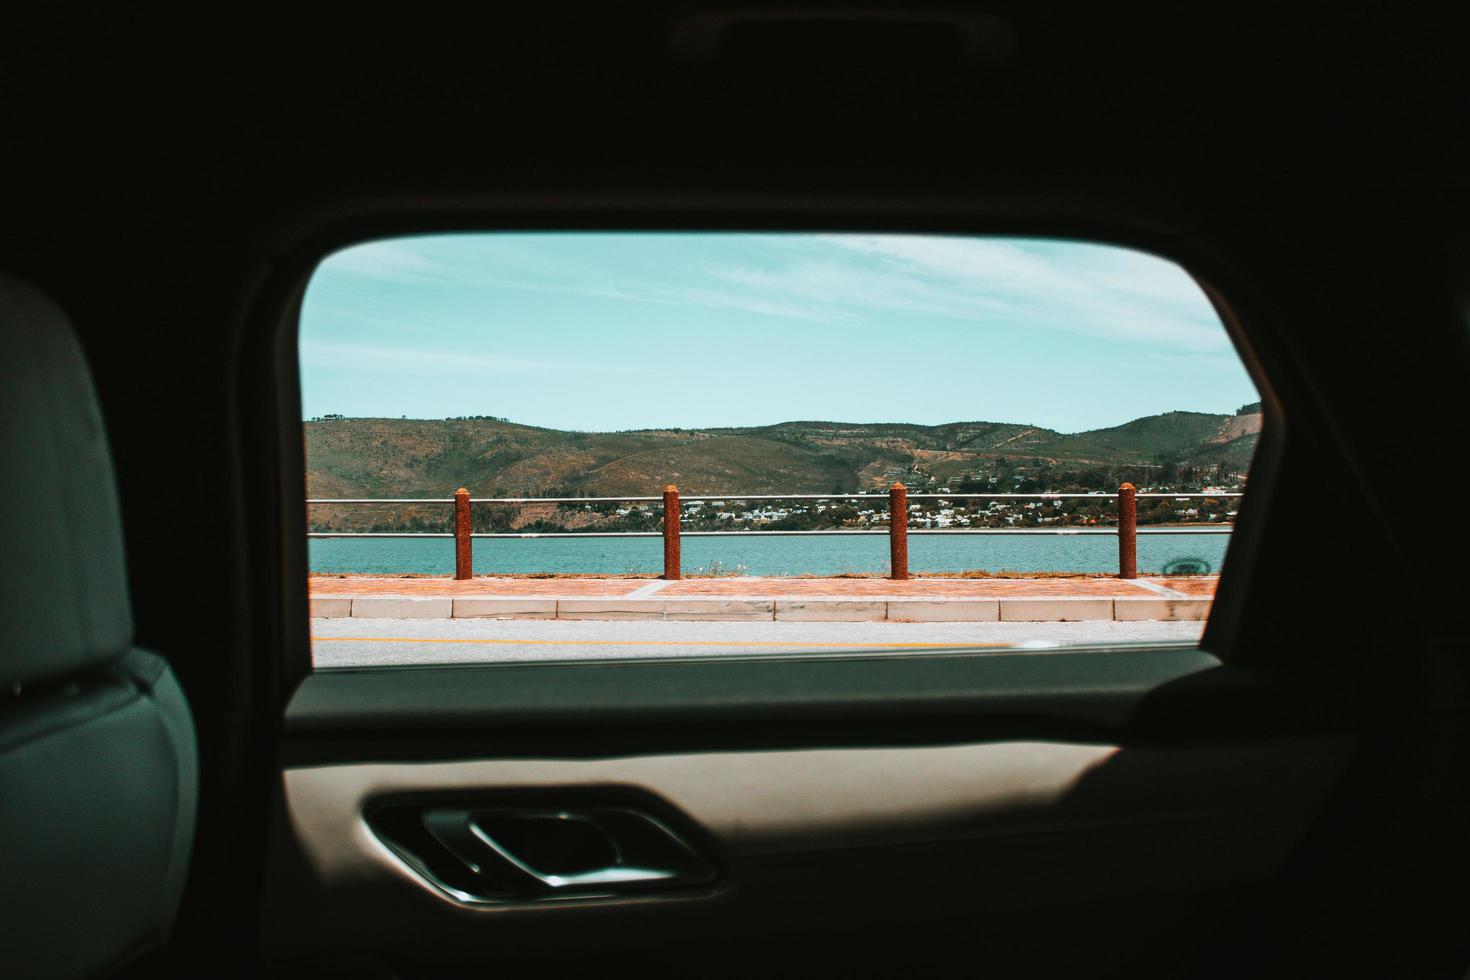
(602, 331)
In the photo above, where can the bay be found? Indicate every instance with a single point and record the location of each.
(758, 554)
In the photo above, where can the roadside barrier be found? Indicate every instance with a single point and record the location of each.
(898, 531)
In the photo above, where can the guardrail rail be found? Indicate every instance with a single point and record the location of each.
(898, 531)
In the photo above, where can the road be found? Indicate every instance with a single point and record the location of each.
(353, 642)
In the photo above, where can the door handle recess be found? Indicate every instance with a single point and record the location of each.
(497, 854)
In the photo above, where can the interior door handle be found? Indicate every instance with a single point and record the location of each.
(507, 854)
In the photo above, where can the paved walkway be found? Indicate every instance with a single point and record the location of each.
(752, 598)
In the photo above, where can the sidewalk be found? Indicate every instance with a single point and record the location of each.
(749, 598)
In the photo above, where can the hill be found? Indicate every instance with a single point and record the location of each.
(369, 457)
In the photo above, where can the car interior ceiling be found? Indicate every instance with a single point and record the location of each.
(1290, 799)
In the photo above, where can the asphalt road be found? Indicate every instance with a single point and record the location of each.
(380, 642)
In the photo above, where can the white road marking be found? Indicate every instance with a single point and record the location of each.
(1162, 590)
(650, 589)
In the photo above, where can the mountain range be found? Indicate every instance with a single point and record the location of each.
(380, 457)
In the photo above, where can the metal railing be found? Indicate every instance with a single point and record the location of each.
(898, 531)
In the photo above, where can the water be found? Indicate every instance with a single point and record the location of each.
(756, 554)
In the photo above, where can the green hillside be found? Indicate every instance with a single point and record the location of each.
(1139, 441)
(349, 457)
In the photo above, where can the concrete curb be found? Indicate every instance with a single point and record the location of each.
(1168, 610)
(490, 607)
(401, 607)
(811, 609)
(1055, 609)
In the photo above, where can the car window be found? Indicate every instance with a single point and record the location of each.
(590, 445)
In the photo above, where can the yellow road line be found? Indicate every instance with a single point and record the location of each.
(651, 643)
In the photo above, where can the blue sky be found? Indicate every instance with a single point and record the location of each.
(618, 331)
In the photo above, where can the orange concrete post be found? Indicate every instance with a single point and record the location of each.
(463, 564)
(671, 532)
(898, 532)
(1127, 531)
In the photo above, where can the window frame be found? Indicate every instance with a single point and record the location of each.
(272, 356)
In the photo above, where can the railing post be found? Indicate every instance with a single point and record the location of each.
(1127, 531)
(671, 532)
(463, 563)
(898, 532)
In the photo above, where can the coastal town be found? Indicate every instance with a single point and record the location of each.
(858, 514)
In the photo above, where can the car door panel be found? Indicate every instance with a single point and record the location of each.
(1136, 808)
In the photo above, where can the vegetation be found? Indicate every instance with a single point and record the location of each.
(355, 457)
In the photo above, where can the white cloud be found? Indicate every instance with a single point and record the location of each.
(830, 286)
(515, 262)
(396, 260)
(367, 357)
(1101, 290)
(1068, 288)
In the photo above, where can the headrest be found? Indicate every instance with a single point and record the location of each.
(63, 580)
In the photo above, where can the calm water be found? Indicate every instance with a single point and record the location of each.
(755, 554)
